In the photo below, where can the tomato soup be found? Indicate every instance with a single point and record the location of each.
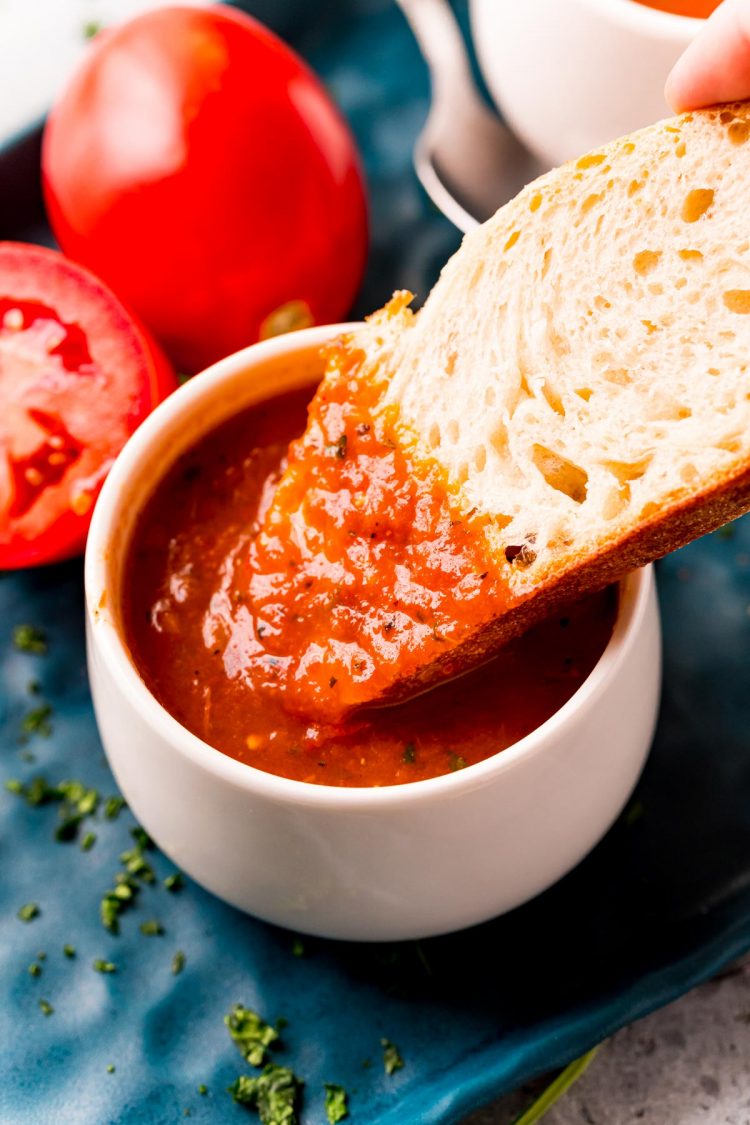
(194, 636)
(698, 9)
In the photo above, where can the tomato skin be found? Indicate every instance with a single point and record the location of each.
(198, 166)
(66, 408)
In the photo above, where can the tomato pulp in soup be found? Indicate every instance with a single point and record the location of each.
(194, 639)
(698, 9)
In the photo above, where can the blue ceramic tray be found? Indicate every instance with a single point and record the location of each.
(660, 905)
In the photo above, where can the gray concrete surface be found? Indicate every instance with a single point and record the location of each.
(687, 1064)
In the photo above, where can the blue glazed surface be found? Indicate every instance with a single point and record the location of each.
(662, 903)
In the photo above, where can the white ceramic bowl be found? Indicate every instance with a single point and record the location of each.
(370, 864)
(570, 75)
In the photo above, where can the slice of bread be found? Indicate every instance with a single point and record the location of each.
(581, 370)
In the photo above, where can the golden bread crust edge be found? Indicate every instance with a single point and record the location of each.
(663, 533)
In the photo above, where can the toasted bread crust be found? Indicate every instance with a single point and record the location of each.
(659, 536)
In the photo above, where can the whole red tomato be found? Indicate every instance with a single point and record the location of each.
(198, 166)
(77, 376)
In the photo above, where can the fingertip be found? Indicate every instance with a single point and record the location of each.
(672, 94)
(675, 93)
(685, 85)
(715, 67)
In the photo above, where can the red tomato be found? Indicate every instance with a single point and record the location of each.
(199, 167)
(77, 375)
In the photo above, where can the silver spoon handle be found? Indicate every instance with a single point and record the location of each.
(440, 40)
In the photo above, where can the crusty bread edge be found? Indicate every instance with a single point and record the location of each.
(666, 531)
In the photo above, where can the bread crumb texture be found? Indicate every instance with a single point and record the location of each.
(581, 366)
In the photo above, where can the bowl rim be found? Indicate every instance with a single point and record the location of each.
(105, 635)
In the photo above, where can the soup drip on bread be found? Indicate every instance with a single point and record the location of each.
(362, 570)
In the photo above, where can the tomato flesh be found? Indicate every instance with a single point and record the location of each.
(77, 375)
(45, 466)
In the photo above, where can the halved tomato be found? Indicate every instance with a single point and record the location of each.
(77, 376)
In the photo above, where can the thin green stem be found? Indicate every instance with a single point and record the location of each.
(565, 1079)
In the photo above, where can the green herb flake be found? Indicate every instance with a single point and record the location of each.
(127, 883)
(410, 753)
(88, 841)
(250, 1033)
(27, 638)
(110, 908)
(111, 1068)
(91, 28)
(338, 449)
(77, 801)
(35, 969)
(203, 1089)
(36, 721)
(298, 947)
(457, 762)
(174, 882)
(274, 1093)
(151, 928)
(81, 798)
(28, 912)
(37, 792)
(142, 838)
(41, 955)
(336, 1107)
(102, 966)
(113, 806)
(69, 951)
(46, 1007)
(67, 829)
(137, 865)
(178, 962)
(392, 1060)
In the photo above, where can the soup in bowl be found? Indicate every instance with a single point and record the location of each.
(397, 823)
